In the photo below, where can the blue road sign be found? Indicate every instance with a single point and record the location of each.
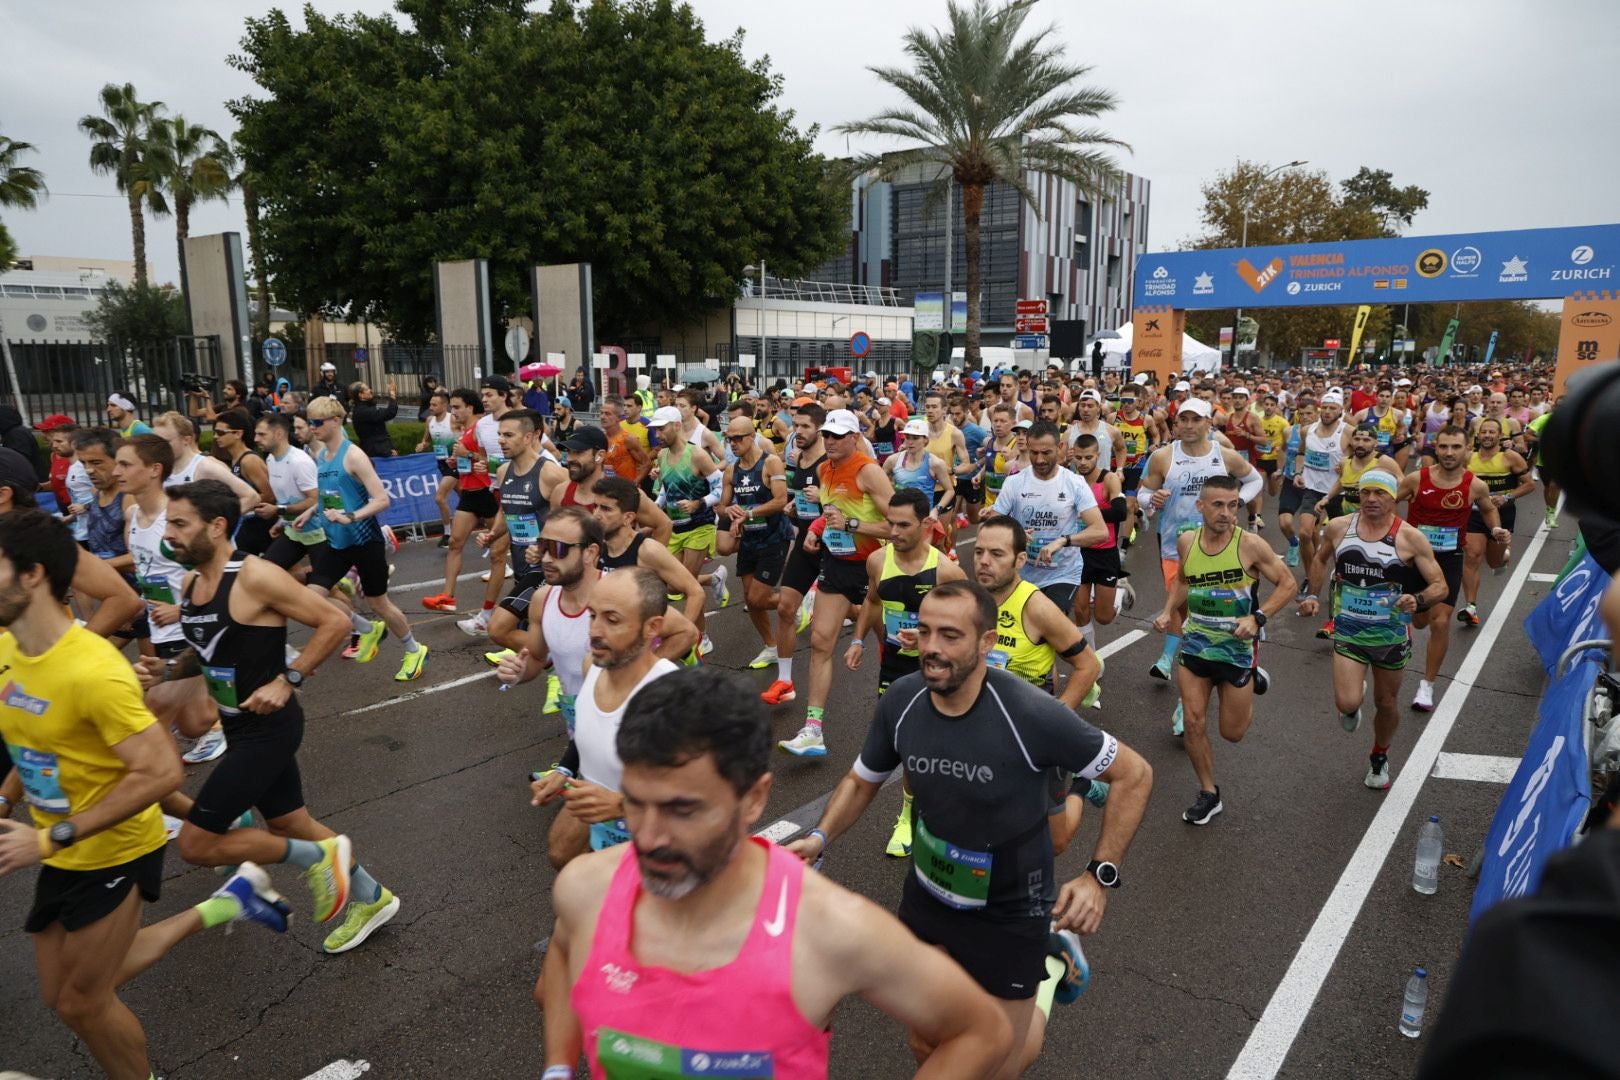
(360, 356)
(860, 343)
(274, 351)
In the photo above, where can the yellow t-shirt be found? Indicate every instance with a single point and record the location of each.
(1276, 429)
(61, 713)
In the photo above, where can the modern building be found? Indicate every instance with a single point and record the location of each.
(46, 297)
(1077, 252)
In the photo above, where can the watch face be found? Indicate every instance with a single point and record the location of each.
(1107, 874)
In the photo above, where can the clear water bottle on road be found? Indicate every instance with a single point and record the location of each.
(1417, 999)
(1430, 846)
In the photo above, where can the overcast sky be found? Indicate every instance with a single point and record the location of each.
(1503, 109)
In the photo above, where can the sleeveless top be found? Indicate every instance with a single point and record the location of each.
(1434, 421)
(883, 437)
(630, 556)
(802, 508)
(1135, 434)
(749, 489)
(184, 476)
(921, 478)
(341, 491)
(1350, 479)
(595, 731)
(653, 1022)
(1184, 480)
(525, 509)
(1014, 651)
(441, 435)
(569, 500)
(568, 639)
(1368, 577)
(466, 479)
(1387, 426)
(1219, 593)
(1098, 492)
(840, 487)
(1322, 456)
(943, 445)
(996, 469)
(104, 527)
(1494, 470)
(1441, 514)
(900, 596)
(157, 575)
(681, 483)
(237, 658)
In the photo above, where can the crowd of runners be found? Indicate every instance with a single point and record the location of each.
(972, 532)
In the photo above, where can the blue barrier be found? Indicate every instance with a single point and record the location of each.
(411, 480)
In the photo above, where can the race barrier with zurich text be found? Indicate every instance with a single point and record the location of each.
(411, 480)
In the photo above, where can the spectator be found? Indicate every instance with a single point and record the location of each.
(59, 431)
(16, 435)
(536, 397)
(563, 424)
(328, 386)
(234, 395)
(262, 401)
(370, 417)
(293, 402)
(580, 392)
(430, 386)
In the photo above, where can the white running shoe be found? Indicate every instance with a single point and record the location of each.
(506, 572)
(477, 626)
(807, 743)
(767, 658)
(1423, 700)
(717, 587)
(706, 646)
(207, 748)
(171, 827)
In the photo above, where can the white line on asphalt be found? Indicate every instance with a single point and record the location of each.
(343, 1069)
(1121, 643)
(424, 692)
(1268, 1044)
(411, 585)
(1486, 768)
(1542, 579)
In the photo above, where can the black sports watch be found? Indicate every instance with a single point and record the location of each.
(63, 833)
(1259, 617)
(294, 677)
(1106, 873)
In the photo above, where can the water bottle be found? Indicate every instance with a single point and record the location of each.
(1417, 999)
(1430, 846)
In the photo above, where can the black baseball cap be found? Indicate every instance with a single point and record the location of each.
(496, 382)
(17, 474)
(586, 437)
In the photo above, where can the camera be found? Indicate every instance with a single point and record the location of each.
(195, 382)
(1580, 448)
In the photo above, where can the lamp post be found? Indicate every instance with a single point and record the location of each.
(764, 342)
(1237, 322)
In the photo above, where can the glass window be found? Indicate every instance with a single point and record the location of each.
(47, 292)
(19, 290)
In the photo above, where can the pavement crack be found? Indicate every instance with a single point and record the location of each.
(1244, 1009)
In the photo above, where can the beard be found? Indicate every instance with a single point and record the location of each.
(196, 553)
(615, 658)
(13, 602)
(949, 681)
(578, 470)
(556, 575)
(698, 868)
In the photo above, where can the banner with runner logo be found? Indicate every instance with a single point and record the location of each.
(411, 480)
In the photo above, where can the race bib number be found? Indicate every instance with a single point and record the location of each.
(523, 528)
(441, 450)
(222, 687)
(883, 449)
(630, 1057)
(838, 541)
(1318, 459)
(1374, 604)
(896, 621)
(997, 658)
(41, 779)
(606, 834)
(464, 465)
(332, 500)
(755, 524)
(956, 877)
(804, 506)
(1383, 440)
(1442, 538)
(155, 590)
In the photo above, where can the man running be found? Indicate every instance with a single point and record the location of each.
(1220, 567)
(1507, 475)
(191, 463)
(1383, 570)
(522, 480)
(689, 488)
(92, 763)
(806, 452)
(1324, 445)
(478, 445)
(296, 489)
(1058, 511)
(753, 502)
(1291, 496)
(1103, 574)
(980, 747)
(1137, 429)
(695, 784)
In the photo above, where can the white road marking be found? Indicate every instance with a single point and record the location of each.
(778, 831)
(343, 1069)
(424, 692)
(1486, 768)
(1268, 1044)
(410, 586)
(1121, 643)
(1542, 579)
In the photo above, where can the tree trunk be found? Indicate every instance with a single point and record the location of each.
(182, 229)
(137, 234)
(250, 206)
(972, 208)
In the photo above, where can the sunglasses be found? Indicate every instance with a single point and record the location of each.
(558, 549)
(740, 438)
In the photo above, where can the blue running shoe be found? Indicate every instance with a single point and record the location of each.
(1065, 946)
(250, 887)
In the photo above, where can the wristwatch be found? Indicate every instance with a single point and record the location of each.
(1259, 617)
(294, 677)
(63, 833)
(1106, 873)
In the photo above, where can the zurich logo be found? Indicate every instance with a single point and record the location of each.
(1293, 288)
(1161, 273)
(1582, 255)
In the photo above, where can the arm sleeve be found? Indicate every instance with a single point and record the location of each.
(716, 479)
(1115, 511)
(1251, 485)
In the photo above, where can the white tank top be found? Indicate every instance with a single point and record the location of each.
(1184, 481)
(1323, 453)
(439, 428)
(596, 732)
(157, 576)
(184, 476)
(567, 638)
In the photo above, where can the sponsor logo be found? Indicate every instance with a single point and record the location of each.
(1453, 500)
(1514, 271)
(1152, 326)
(1203, 284)
(1592, 318)
(1293, 288)
(1593, 273)
(951, 767)
(1582, 255)
(17, 698)
(113, 884)
(1466, 261)
(776, 925)
(619, 980)
(1160, 283)
(1432, 263)
(1400, 283)
(1259, 279)
(1160, 274)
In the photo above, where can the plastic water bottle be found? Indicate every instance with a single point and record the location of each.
(1430, 846)
(1417, 999)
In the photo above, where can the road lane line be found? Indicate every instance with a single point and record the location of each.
(1121, 643)
(1486, 768)
(343, 1069)
(1542, 579)
(424, 692)
(412, 585)
(1268, 1044)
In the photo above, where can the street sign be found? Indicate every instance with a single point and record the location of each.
(602, 361)
(274, 351)
(666, 360)
(638, 360)
(1030, 324)
(860, 343)
(745, 360)
(361, 356)
(517, 344)
(1031, 307)
(1330, 343)
(1029, 341)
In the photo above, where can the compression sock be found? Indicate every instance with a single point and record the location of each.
(1172, 642)
(1089, 632)
(813, 716)
(303, 853)
(363, 886)
(1044, 993)
(489, 605)
(217, 910)
(784, 667)
(1380, 749)
(905, 806)
(359, 623)
(409, 641)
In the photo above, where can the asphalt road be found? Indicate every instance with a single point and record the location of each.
(429, 780)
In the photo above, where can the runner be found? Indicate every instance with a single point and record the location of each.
(948, 443)
(855, 494)
(999, 454)
(93, 765)
(1268, 447)
(1105, 587)
(1219, 639)
(524, 475)
(695, 785)
(352, 496)
(979, 747)
(233, 437)
(918, 468)
(967, 473)
(234, 613)
(439, 435)
(753, 501)
(1088, 421)
(1549, 487)
(624, 545)
(1362, 453)
(294, 487)
(1507, 475)
(121, 416)
(1390, 425)
(1058, 511)
(192, 464)
(627, 455)
(1438, 499)
(689, 487)
(1382, 570)
(1324, 447)
(1290, 496)
(1134, 426)
(806, 453)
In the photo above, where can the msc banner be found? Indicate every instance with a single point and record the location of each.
(1524, 264)
(411, 480)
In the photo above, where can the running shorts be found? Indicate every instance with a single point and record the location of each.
(1266, 465)
(844, 577)
(1101, 567)
(1131, 479)
(1387, 657)
(699, 538)
(1308, 498)
(1216, 671)
(764, 563)
(802, 566)
(287, 553)
(480, 503)
(259, 770)
(1062, 593)
(329, 564)
(1290, 497)
(1451, 565)
(1007, 957)
(1508, 512)
(80, 898)
(1170, 568)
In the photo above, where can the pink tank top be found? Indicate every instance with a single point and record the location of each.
(740, 1020)
(1102, 501)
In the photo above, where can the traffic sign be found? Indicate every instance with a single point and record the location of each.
(1029, 341)
(517, 344)
(274, 351)
(860, 343)
(361, 356)
(1030, 324)
(1031, 307)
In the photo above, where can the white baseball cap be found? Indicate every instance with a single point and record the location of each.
(1183, 385)
(884, 401)
(1141, 379)
(1090, 395)
(1403, 382)
(1244, 390)
(1196, 406)
(917, 427)
(1476, 389)
(669, 414)
(1332, 397)
(841, 422)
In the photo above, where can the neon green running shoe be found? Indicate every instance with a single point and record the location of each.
(1093, 698)
(328, 880)
(499, 655)
(553, 694)
(365, 650)
(362, 921)
(410, 668)
(900, 840)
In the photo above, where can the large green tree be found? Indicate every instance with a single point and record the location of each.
(198, 164)
(20, 188)
(125, 146)
(616, 133)
(983, 107)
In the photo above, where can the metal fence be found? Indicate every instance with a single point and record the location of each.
(775, 358)
(76, 378)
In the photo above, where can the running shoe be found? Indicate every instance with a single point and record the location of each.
(807, 743)
(496, 658)
(352, 648)
(345, 585)
(506, 572)
(439, 602)
(1468, 615)
(365, 649)
(1326, 630)
(250, 888)
(1064, 945)
(1127, 594)
(444, 541)
(900, 839)
(717, 587)
(553, 694)
(1350, 721)
(410, 667)
(208, 748)
(1259, 521)
(1552, 518)
(807, 608)
(328, 880)
(767, 658)
(289, 655)
(1377, 776)
(1178, 724)
(1093, 698)
(1305, 587)
(171, 827)
(778, 693)
(706, 646)
(1205, 807)
(1096, 793)
(1507, 559)
(476, 625)
(361, 922)
(1161, 668)
(1262, 679)
(1291, 556)
(1423, 700)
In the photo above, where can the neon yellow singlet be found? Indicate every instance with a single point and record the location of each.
(1494, 471)
(1014, 651)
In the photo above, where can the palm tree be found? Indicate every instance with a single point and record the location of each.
(124, 145)
(20, 186)
(989, 109)
(198, 164)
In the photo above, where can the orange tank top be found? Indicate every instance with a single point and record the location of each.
(840, 487)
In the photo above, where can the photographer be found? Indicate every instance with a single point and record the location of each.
(370, 419)
(234, 396)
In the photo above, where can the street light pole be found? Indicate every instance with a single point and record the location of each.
(1237, 322)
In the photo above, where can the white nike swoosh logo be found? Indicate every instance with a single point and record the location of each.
(778, 924)
(113, 884)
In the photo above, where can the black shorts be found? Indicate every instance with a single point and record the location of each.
(1290, 497)
(802, 566)
(1388, 657)
(1007, 957)
(1101, 566)
(1266, 465)
(169, 650)
(1216, 671)
(258, 770)
(79, 898)
(329, 564)
(253, 534)
(764, 563)
(844, 577)
(1308, 498)
(446, 468)
(1507, 512)
(480, 503)
(1061, 593)
(287, 553)
(523, 589)
(893, 664)
(1451, 565)
(1130, 480)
